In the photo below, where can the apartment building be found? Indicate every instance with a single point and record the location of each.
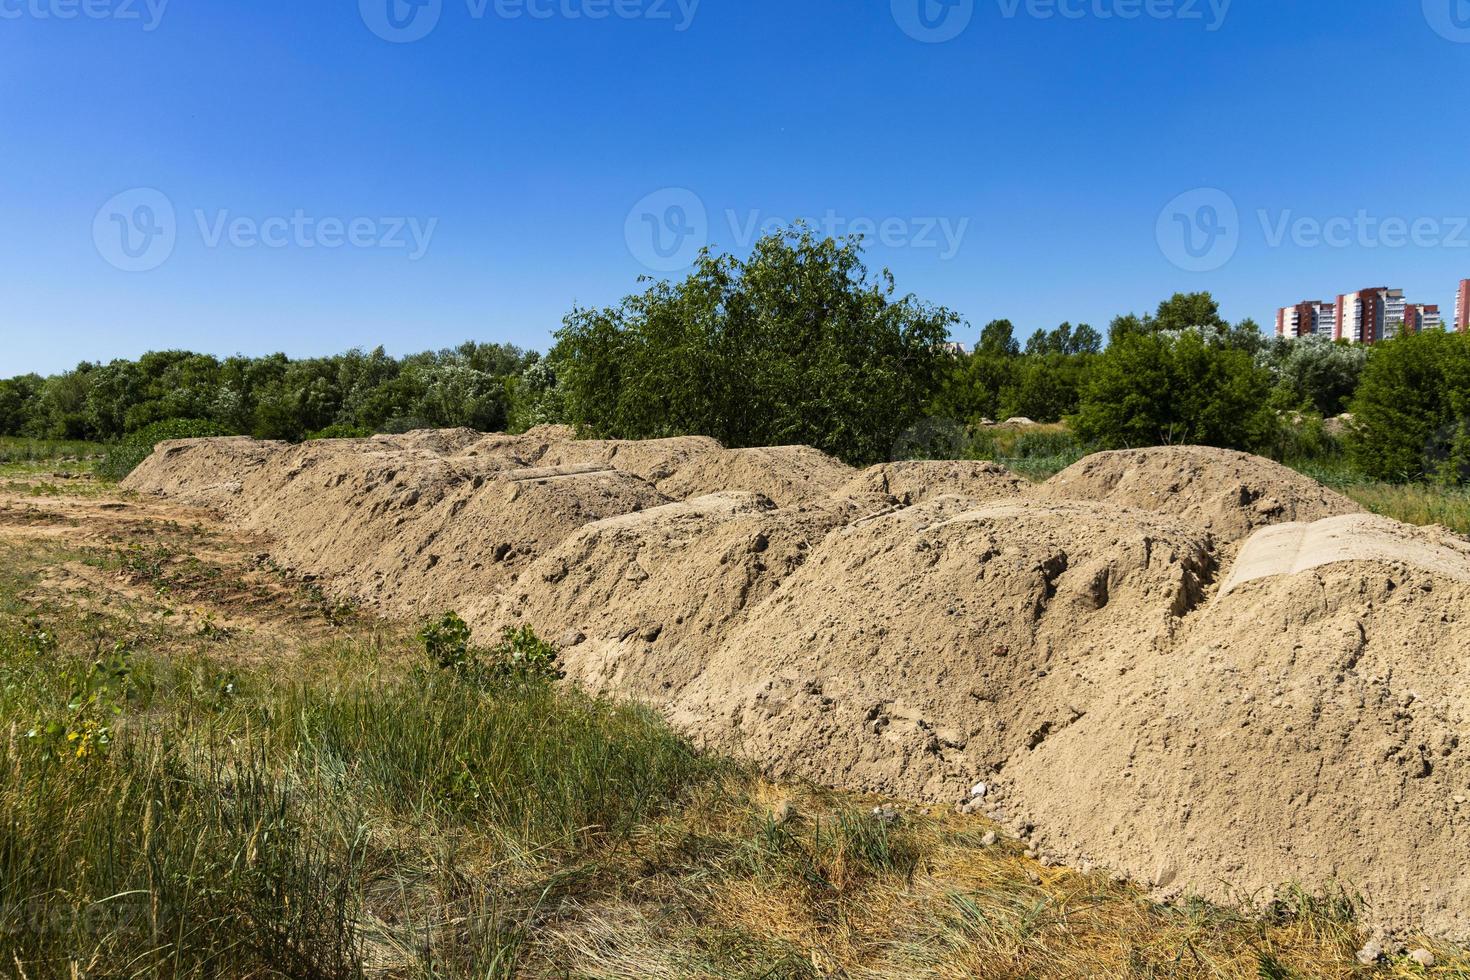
(1371, 315)
(1306, 319)
(1462, 307)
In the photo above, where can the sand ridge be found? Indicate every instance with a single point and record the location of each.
(1194, 666)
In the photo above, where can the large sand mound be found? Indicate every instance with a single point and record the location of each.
(1227, 493)
(1093, 649)
(917, 651)
(1307, 726)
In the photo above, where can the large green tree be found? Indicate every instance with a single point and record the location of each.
(799, 343)
(1411, 414)
(1154, 388)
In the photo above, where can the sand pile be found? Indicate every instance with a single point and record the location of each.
(638, 602)
(203, 472)
(910, 483)
(1190, 665)
(1307, 726)
(915, 652)
(1227, 493)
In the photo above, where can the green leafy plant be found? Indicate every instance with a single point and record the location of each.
(98, 694)
(520, 657)
(124, 457)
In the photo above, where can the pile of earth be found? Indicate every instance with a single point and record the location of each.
(1193, 666)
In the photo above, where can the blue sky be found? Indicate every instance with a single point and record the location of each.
(330, 188)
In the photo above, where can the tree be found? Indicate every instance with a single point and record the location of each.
(1193, 387)
(796, 344)
(1411, 414)
(998, 339)
(1314, 373)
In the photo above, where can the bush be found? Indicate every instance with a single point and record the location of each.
(124, 457)
(1411, 415)
(520, 657)
(799, 343)
(1187, 388)
(340, 431)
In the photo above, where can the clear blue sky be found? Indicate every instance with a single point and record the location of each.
(521, 147)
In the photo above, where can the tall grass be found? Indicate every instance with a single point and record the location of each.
(259, 828)
(18, 450)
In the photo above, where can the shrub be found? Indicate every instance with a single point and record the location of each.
(1193, 387)
(340, 431)
(1411, 415)
(520, 657)
(125, 456)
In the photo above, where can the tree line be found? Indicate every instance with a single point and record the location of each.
(801, 343)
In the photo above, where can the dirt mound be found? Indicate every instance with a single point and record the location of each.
(445, 442)
(787, 475)
(920, 627)
(202, 472)
(639, 602)
(911, 483)
(1307, 726)
(917, 651)
(1227, 493)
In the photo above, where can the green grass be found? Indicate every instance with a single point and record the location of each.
(1412, 503)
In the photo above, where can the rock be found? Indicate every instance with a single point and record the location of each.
(989, 839)
(572, 637)
(1423, 957)
(979, 790)
(785, 813)
(885, 814)
(1371, 953)
(636, 573)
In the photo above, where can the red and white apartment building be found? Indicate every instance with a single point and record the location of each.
(1367, 316)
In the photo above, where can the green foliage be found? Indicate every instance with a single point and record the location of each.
(521, 657)
(1156, 388)
(99, 692)
(124, 457)
(446, 640)
(340, 431)
(1411, 413)
(796, 344)
(1315, 374)
(270, 397)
